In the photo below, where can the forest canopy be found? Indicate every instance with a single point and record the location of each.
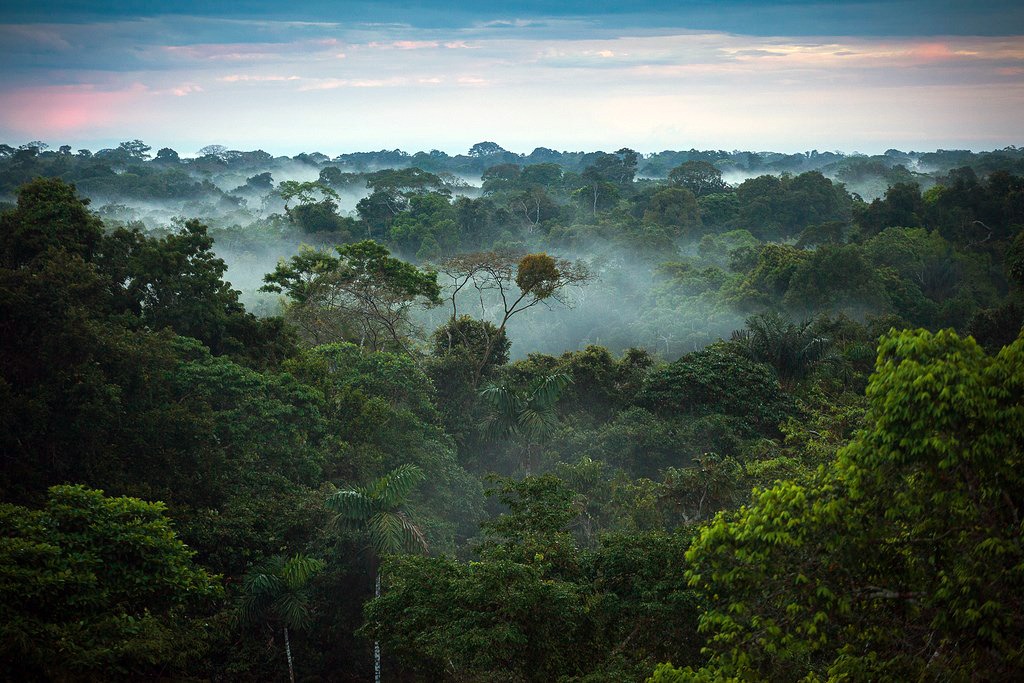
(559, 416)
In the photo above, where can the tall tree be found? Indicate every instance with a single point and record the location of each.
(278, 590)
(362, 295)
(529, 415)
(378, 509)
(511, 284)
(699, 177)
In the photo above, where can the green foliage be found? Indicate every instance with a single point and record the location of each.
(376, 506)
(92, 586)
(674, 207)
(364, 294)
(717, 379)
(278, 590)
(794, 350)
(779, 207)
(698, 177)
(470, 337)
(536, 607)
(384, 406)
(49, 215)
(899, 561)
(530, 414)
(1015, 261)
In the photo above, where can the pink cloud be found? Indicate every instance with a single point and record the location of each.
(49, 110)
(186, 89)
(405, 45)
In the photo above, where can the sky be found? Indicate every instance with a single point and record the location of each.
(345, 76)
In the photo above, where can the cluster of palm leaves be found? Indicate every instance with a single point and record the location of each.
(277, 591)
(793, 349)
(378, 509)
(529, 414)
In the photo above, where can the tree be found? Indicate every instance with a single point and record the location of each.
(135, 149)
(511, 283)
(377, 508)
(673, 207)
(529, 414)
(606, 177)
(49, 216)
(166, 155)
(175, 281)
(902, 560)
(699, 177)
(694, 385)
(278, 590)
(305, 192)
(486, 149)
(363, 294)
(794, 350)
(92, 585)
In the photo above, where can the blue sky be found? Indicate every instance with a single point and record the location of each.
(347, 76)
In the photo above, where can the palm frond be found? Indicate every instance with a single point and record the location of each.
(261, 583)
(387, 535)
(505, 405)
(547, 390)
(397, 485)
(415, 538)
(251, 608)
(376, 508)
(292, 609)
(297, 571)
(536, 423)
(352, 504)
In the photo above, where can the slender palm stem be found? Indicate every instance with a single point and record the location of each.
(288, 650)
(376, 643)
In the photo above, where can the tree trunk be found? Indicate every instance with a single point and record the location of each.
(288, 651)
(376, 643)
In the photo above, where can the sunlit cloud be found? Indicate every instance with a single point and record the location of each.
(335, 83)
(186, 89)
(62, 110)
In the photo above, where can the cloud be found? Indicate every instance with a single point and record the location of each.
(335, 83)
(59, 110)
(186, 89)
(236, 51)
(236, 78)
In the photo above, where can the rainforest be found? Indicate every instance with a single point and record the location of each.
(560, 416)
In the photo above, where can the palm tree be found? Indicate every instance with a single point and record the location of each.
(279, 591)
(377, 508)
(528, 414)
(794, 350)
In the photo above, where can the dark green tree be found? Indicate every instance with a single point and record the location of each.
(92, 586)
(279, 591)
(378, 509)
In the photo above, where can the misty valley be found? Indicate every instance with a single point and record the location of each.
(595, 416)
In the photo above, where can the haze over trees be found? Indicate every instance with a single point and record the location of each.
(563, 416)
